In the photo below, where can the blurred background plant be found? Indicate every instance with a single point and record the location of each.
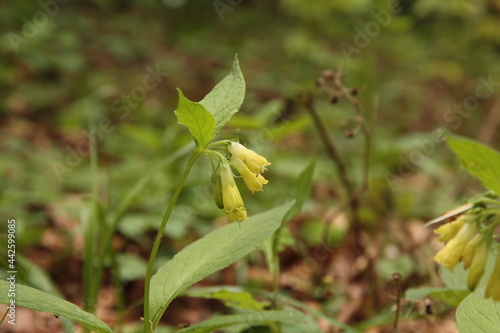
(65, 63)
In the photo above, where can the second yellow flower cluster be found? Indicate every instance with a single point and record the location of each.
(465, 243)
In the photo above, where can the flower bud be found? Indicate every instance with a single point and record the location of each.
(470, 250)
(449, 230)
(253, 181)
(478, 265)
(255, 162)
(217, 188)
(231, 197)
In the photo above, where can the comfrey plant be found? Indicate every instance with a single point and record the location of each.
(204, 120)
(211, 253)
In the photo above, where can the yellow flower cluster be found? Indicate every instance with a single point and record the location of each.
(465, 243)
(250, 165)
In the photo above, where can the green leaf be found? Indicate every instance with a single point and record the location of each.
(226, 97)
(200, 291)
(416, 294)
(302, 190)
(217, 250)
(451, 296)
(38, 278)
(131, 266)
(239, 299)
(197, 119)
(476, 314)
(480, 160)
(404, 265)
(40, 301)
(288, 317)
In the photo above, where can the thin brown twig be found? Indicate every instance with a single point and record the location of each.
(334, 155)
(337, 91)
(346, 94)
(397, 279)
(330, 147)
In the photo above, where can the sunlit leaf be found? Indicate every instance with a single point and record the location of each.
(197, 119)
(226, 97)
(480, 160)
(231, 298)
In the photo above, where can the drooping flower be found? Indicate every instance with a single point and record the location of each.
(493, 287)
(470, 250)
(478, 265)
(231, 197)
(449, 230)
(451, 254)
(253, 181)
(254, 162)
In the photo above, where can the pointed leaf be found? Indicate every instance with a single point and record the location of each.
(217, 250)
(226, 97)
(39, 279)
(302, 189)
(231, 298)
(480, 160)
(40, 301)
(197, 119)
(289, 317)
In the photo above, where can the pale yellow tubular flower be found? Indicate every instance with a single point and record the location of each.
(470, 250)
(451, 254)
(253, 181)
(478, 266)
(493, 287)
(253, 161)
(231, 197)
(449, 230)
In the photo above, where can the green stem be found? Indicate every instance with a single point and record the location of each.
(275, 268)
(208, 151)
(219, 143)
(148, 325)
(489, 201)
